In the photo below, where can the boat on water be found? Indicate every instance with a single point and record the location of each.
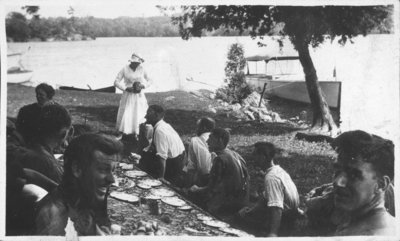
(109, 89)
(285, 79)
(16, 72)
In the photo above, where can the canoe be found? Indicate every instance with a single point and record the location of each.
(18, 77)
(289, 82)
(110, 89)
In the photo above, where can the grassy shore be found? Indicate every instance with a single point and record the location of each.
(309, 164)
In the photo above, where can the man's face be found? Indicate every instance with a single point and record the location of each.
(62, 135)
(99, 176)
(259, 159)
(214, 144)
(355, 183)
(151, 117)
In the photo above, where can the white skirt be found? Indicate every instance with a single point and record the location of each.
(131, 112)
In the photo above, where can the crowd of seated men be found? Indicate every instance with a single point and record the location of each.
(44, 195)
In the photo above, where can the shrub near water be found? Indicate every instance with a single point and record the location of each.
(236, 89)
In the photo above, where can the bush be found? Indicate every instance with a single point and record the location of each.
(236, 89)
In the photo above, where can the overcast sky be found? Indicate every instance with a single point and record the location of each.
(101, 11)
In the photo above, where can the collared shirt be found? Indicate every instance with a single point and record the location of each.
(279, 189)
(199, 157)
(166, 140)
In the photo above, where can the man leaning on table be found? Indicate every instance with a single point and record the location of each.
(164, 157)
(80, 199)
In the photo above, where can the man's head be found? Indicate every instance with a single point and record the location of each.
(218, 139)
(54, 124)
(204, 125)
(89, 161)
(263, 154)
(154, 114)
(363, 169)
(44, 93)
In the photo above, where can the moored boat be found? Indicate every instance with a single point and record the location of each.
(109, 89)
(284, 79)
(19, 77)
(16, 72)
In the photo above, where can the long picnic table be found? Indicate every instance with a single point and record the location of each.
(139, 217)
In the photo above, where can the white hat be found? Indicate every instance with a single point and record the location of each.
(136, 58)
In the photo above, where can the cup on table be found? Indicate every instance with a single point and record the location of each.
(153, 206)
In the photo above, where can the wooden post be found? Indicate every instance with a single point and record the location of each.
(262, 94)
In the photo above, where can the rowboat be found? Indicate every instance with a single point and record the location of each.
(285, 79)
(19, 77)
(16, 72)
(110, 89)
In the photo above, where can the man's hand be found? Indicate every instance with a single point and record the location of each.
(244, 211)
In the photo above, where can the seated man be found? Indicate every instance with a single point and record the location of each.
(277, 208)
(51, 131)
(164, 158)
(322, 216)
(28, 115)
(228, 188)
(198, 156)
(364, 169)
(89, 161)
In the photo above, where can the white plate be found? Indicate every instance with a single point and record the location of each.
(123, 182)
(143, 186)
(185, 208)
(203, 217)
(135, 174)
(233, 231)
(126, 166)
(150, 182)
(152, 197)
(216, 224)
(162, 192)
(125, 197)
(174, 201)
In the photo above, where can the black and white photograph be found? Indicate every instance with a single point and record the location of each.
(201, 119)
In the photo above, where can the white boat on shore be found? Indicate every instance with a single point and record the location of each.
(16, 72)
(285, 79)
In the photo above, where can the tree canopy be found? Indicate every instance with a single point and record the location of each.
(305, 26)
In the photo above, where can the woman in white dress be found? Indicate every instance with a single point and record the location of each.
(133, 105)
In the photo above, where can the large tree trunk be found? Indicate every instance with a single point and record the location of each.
(322, 118)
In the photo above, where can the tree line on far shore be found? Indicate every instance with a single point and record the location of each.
(19, 28)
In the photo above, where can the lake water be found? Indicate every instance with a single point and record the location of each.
(368, 68)
(171, 62)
